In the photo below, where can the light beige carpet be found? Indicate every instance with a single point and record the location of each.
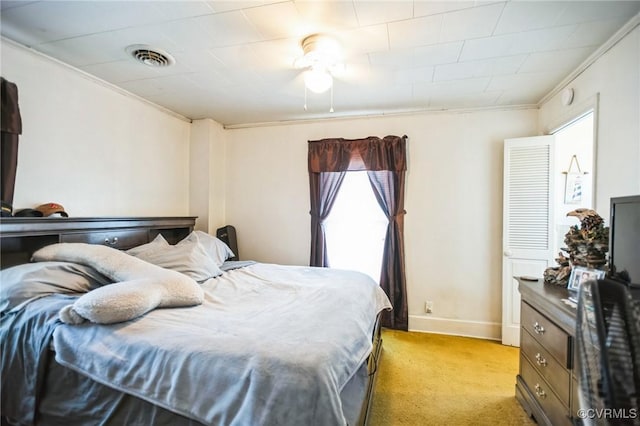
(432, 379)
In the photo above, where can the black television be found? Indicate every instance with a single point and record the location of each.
(624, 239)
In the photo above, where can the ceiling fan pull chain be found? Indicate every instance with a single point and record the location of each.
(305, 98)
(331, 109)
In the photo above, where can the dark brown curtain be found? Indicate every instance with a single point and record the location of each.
(323, 189)
(388, 187)
(11, 129)
(385, 160)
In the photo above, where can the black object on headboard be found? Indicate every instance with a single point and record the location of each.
(227, 234)
(21, 236)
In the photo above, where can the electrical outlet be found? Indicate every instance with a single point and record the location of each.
(428, 306)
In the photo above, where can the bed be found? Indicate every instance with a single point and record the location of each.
(264, 344)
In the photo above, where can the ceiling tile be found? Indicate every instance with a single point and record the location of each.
(444, 53)
(470, 23)
(197, 60)
(275, 54)
(371, 12)
(523, 95)
(464, 100)
(521, 16)
(240, 56)
(517, 43)
(8, 4)
(593, 33)
(482, 68)
(586, 11)
(398, 58)
(82, 51)
(453, 88)
(424, 8)
(211, 79)
(229, 29)
(416, 32)
(563, 60)
(275, 20)
(184, 35)
(121, 71)
(373, 38)
(325, 16)
(415, 75)
(229, 5)
(516, 81)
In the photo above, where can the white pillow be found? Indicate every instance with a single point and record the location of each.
(157, 243)
(189, 258)
(214, 247)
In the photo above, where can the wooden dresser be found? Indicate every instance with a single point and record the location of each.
(547, 386)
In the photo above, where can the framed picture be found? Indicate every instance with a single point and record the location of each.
(580, 274)
(573, 188)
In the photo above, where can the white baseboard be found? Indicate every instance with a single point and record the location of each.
(511, 335)
(477, 329)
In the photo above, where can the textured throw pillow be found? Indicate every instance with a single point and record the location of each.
(190, 259)
(158, 243)
(214, 247)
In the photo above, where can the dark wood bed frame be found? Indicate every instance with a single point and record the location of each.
(20, 237)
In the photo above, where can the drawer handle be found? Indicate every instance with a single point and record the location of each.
(540, 392)
(538, 328)
(111, 242)
(540, 360)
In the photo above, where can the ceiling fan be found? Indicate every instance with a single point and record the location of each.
(322, 58)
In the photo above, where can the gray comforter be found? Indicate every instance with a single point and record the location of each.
(271, 345)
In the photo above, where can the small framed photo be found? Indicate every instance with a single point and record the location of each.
(580, 274)
(573, 188)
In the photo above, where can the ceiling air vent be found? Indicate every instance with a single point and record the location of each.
(150, 56)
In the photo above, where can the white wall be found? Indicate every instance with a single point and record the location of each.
(206, 170)
(614, 81)
(453, 202)
(91, 148)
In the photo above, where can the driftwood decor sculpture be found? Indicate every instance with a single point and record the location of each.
(587, 245)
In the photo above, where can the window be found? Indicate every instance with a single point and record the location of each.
(356, 227)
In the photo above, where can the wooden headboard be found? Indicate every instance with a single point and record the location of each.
(20, 237)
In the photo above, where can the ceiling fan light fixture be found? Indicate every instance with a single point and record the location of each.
(318, 80)
(322, 53)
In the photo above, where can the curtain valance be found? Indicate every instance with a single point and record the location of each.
(372, 153)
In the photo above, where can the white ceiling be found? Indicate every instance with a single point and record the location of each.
(234, 59)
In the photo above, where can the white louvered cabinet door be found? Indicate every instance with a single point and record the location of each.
(527, 238)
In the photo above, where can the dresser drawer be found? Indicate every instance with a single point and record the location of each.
(547, 334)
(554, 409)
(122, 240)
(547, 366)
